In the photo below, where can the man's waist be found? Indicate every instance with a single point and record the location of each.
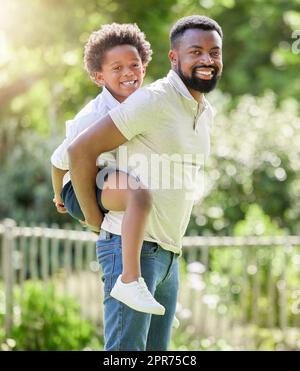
(105, 235)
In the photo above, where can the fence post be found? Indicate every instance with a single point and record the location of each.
(8, 271)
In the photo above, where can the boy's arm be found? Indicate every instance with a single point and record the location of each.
(57, 176)
(103, 136)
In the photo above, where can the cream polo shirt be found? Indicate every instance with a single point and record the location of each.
(164, 121)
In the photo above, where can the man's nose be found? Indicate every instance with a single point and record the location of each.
(206, 59)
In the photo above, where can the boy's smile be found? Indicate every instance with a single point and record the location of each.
(122, 71)
(129, 83)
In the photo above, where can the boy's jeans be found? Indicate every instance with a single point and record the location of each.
(125, 328)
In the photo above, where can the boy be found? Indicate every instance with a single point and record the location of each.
(115, 57)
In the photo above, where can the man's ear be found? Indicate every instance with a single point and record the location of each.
(99, 78)
(173, 57)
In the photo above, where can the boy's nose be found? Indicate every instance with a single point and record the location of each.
(128, 72)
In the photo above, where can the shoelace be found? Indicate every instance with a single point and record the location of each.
(142, 287)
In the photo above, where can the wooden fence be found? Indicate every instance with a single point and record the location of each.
(227, 283)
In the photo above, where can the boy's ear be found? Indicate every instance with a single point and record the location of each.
(99, 78)
(144, 70)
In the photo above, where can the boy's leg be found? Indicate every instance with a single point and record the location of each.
(118, 192)
(70, 201)
(122, 192)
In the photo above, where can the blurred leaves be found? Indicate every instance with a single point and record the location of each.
(254, 151)
(255, 159)
(47, 320)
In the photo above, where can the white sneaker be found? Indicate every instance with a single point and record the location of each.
(137, 296)
(176, 322)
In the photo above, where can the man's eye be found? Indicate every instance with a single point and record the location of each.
(117, 68)
(196, 52)
(215, 54)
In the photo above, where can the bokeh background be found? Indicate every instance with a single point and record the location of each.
(252, 177)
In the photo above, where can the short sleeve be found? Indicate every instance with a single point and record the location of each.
(138, 114)
(60, 157)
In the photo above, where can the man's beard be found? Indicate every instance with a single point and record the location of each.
(196, 83)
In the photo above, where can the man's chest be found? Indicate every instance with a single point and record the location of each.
(181, 133)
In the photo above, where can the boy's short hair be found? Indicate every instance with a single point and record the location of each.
(109, 36)
(193, 21)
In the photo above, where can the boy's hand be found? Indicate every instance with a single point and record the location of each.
(59, 204)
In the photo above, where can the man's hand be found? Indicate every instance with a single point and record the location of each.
(59, 204)
(92, 228)
(94, 224)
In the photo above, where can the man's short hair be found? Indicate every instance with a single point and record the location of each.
(190, 22)
(109, 36)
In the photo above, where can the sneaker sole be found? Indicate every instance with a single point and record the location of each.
(158, 312)
(175, 324)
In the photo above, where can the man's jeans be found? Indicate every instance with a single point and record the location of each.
(125, 328)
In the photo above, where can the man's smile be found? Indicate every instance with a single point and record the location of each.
(204, 73)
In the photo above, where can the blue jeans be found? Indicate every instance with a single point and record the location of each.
(70, 200)
(124, 328)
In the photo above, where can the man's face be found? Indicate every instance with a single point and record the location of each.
(122, 71)
(197, 59)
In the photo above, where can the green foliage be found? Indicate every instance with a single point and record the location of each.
(256, 223)
(47, 320)
(255, 287)
(253, 338)
(273, 339)
(184, 340)
(241, 278)
(25, 190)
(255, 159)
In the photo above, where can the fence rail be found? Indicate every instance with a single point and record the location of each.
(229, 282)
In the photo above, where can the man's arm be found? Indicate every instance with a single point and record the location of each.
(103, 136)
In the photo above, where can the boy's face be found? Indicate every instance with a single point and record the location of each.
(122, 71)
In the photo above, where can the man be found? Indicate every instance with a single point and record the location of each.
(170, 116)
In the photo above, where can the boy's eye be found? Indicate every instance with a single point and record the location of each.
(117, 68)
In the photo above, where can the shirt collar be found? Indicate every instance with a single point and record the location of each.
(179, 85)
(109, 100)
